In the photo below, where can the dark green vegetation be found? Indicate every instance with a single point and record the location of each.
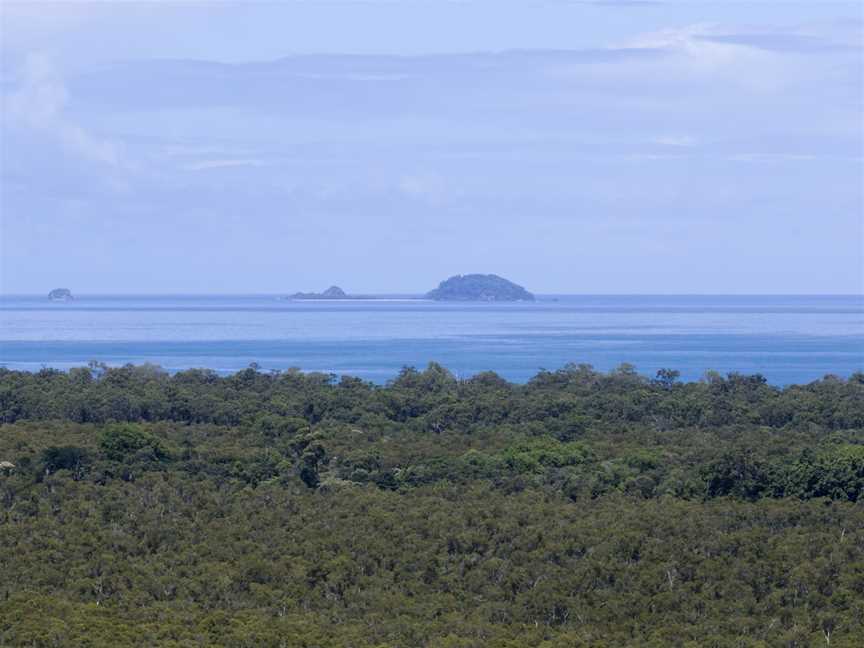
(479, 287)
(581, 509)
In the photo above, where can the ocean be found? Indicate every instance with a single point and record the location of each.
(788, 339)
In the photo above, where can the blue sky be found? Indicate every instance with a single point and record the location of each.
(585, 147)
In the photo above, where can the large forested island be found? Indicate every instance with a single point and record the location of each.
(139, 508)
(479, 287)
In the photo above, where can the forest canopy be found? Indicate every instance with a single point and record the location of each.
(139, 507)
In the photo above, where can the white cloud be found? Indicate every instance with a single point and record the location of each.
(702, 55)
(422, 185)
(220, 164)
(675, 140)
(39, 104)
(707, 61)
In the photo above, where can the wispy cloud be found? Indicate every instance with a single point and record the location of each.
(39, 103)
(221, 164)
(777, 42)
(429, 186)
(681, 141)
(686, 117)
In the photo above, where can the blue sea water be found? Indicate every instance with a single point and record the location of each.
(788, 339)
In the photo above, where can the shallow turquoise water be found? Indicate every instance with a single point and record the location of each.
(788, 339)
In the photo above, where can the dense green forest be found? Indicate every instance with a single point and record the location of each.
(139, 508)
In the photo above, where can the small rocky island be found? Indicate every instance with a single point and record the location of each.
(333, 292)
(60, 294)
(479, 287)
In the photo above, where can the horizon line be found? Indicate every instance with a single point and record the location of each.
(420, 294)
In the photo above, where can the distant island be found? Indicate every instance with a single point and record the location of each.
(60, 294)
(332, 293)
(469, 287)
(479, 287)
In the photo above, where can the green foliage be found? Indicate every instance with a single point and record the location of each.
(582, 509)
(274, 425)
(64, 458)
(835, 472)
(127, 441)
(536, 455)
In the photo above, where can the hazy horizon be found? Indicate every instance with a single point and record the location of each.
(574, 148)
(415, 293)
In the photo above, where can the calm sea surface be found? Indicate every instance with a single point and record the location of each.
(788, 339)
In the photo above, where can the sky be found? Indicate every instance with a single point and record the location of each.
(384, 145)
